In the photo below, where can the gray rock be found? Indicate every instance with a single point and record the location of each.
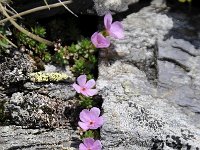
(179, 64)
(37, 110)
(15, 69)
(104, 6)
(151, 87)
(62, 91)
(142, 31)
(137, 118)
(35, 105)
(14, 137)
(53, 68)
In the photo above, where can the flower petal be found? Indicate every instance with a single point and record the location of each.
(99, 41)
(85, 115)
(91, 92)
(84, 126)
(82, 147)
(76, 87)
(95, 112)
(102, 41)
(107, 21)
(90, 84)
(94, 39)
(97, 145)
(116, 30)
(99, 122)
(81, 80)
(88, 142)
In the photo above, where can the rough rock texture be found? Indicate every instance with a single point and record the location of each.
(150, 85)
(37, 110)
(33, 106)
(15, 69)
(13, 137)
(103, 6)
(179, 65)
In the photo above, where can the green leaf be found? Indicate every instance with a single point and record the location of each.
(47, 57)
(38, 30)
(88, 134)
(4, 43)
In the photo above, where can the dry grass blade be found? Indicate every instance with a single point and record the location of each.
(10, 12)
(31, 35)
(11, 43)
(45, 1)
(67, 8)
(35, 10)
(15, 12)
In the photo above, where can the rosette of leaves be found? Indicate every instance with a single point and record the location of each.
(85, 59)
(81, 57)
(39, 49)
(61, 57)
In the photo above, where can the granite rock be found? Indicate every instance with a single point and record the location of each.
(104, 6)
(15, 69)
(150, 87)
(34, 110)
(35, 107)
(137, 118)
(15, 137)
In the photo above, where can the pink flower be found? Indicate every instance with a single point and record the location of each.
(84, 87)
(90, 144)
(114, 29)
(90, 119)
(100, 41)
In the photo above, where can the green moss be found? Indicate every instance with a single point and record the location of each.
(81, 57)
(91, 134)
(86, 102)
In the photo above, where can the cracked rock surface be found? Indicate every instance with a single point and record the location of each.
(150, 87)
(15, 137)
(35, 115)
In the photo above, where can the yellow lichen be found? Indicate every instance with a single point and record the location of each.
(182, 1)
(49, 76)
